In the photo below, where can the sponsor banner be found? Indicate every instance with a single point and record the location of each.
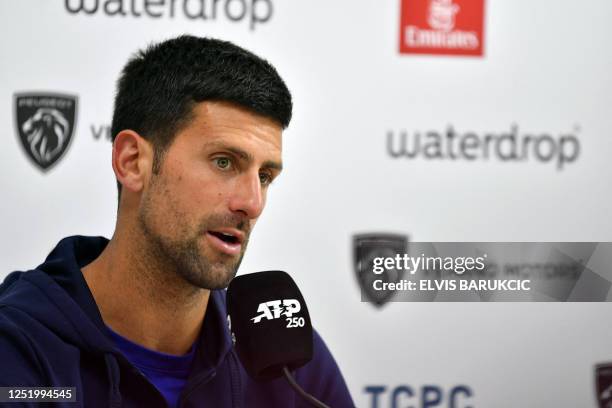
(253, 12)
(560, 148)
(424, 396)
(391, 133)
(45, 123)
(442, 27)
(390, 269)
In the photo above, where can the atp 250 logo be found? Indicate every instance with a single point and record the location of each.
(275, 309)
(442, 27)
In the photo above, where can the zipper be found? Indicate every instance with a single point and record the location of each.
(136, 372)
(236, 379)
(197, 382)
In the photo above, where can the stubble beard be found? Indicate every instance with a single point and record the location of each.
(184, 253)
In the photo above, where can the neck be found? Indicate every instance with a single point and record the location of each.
(142, 298)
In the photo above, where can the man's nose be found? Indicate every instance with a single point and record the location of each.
(247, 198)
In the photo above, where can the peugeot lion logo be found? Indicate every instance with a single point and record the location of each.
(366, 247)
(45, 125)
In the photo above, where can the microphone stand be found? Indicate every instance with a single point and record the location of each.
(312, 400)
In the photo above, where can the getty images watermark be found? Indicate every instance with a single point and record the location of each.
(391, 269)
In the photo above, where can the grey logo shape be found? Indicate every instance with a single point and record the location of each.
(603, 385)
(45, 124)
(367, 247)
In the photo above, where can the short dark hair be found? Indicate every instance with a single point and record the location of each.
(159, 86)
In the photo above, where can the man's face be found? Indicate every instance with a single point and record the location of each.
(198, 211)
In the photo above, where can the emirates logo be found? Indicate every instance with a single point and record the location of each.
(442, 27)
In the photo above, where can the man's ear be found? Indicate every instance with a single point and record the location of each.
(132, 160)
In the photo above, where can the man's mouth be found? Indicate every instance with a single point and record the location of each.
(226, 240)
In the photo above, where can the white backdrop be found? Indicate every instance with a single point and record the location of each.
(546, 67)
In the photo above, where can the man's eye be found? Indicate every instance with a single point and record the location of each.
(265, 179)
(223, 163)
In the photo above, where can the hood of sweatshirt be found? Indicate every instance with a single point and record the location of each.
(57, 296)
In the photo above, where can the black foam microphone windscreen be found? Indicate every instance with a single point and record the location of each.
(270, 324)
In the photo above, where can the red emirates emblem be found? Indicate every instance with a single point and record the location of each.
(442, 27)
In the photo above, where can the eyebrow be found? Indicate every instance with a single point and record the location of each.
(246, 156)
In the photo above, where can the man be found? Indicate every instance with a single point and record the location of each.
(140, 320)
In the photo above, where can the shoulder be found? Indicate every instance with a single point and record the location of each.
(29, 347)
(19, 356)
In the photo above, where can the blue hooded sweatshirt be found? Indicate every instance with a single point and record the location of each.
(52, 334)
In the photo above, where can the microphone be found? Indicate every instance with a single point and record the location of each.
(270, 326)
